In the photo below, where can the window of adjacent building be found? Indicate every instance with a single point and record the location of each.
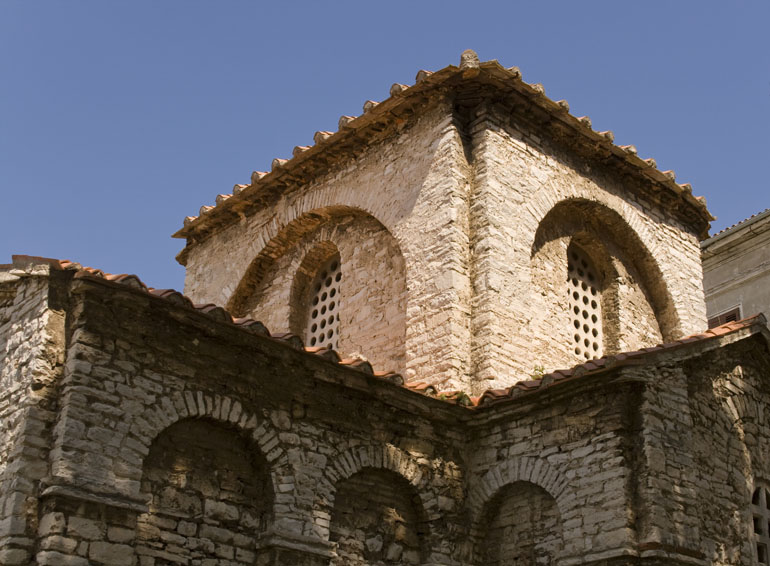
(584, 304)
(323, 320)
(760, 515)
(729, 316)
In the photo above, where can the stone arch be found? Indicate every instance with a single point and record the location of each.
(617, 239)
(374, 284)
(524, 469)
(378, 518)
(189, 404)
(280, 238)
(522, 525)
(503, 479)
(210, 494)
(378, 457)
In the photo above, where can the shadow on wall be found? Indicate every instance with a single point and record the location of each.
(521, 525)
(210, 493)
(378, 519)
(634, 307)
(369, 285)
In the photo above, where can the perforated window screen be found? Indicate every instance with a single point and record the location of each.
(760, 515)
(323, 322)
(585, 305)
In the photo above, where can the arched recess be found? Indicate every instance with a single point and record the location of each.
(373, 286)
(400, 467)
(209, 494)
(632, 278)
(378, 519)
(526, 469)
(172, 407)
(521, 525)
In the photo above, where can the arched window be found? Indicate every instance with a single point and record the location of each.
(760, 515)
(323, 317)
(585, 303)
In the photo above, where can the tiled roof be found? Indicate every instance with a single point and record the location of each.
(212, 310)
(636, 357)
(751, 219)
(489, 397)
(352, 131)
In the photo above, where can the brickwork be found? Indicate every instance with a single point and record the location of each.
(521, 266)
(411, 184)
(372, 301)
(480, 203)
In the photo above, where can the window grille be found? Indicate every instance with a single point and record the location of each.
(585, 304)
(323, 322)
(760, 515)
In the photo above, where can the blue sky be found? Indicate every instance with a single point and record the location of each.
(118, 119)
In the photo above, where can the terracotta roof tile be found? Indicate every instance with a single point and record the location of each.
(209, 309)
(427, 80)
(460, 398)
(601, 364)
(742, 222)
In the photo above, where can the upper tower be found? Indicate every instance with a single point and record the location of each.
(465, 231)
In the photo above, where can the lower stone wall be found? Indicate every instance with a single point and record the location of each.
(31, 354)
(180, 439)
(728, 393)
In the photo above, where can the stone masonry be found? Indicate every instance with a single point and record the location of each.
(155, 433)
(477, 183)
(483, 238)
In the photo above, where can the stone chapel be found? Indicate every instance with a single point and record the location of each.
(465, 329)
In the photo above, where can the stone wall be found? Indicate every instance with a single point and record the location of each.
(195, 514)
(179, 437)
(482, 206)
(372, 299)
(415, 185)
(164, 419)
(31, 348)
(378, 519)
(570, 457)
(531, 197)
(730, 446)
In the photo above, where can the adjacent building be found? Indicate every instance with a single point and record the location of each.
(736, 270)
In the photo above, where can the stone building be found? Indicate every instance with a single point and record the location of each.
(433, 264)
(736, 270)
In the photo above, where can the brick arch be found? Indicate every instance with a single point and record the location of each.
(611, 220)
(378, 457)
(285, 231)
(526, 469)
(543, 202)
(220, 409)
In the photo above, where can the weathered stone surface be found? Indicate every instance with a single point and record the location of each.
(137, 430)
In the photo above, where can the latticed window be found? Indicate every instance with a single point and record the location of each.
(761, 524)
(585, 304)
(323, 321)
